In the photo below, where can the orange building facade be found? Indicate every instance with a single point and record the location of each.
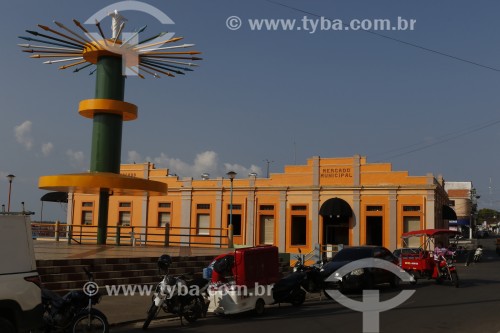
(326, 201)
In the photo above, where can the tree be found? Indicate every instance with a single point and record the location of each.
(488, 215)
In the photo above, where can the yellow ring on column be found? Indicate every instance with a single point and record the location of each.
(93, 182)
(89, 107)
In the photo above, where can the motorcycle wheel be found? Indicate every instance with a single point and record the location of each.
(454, 279)
(153, 310)
(260, 307)
(96, 322)
(204, 304)
(194, 310)
(299, 298)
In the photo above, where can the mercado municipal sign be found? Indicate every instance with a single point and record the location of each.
(345, 172)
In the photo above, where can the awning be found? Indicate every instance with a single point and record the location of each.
(335, 207)
(429, 233)
(448, 213)
(55, 197)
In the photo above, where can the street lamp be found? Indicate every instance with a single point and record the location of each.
(231, 175)
(473, 211)
(10, 178)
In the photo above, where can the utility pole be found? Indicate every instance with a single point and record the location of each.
(10, 178)
(267, 168)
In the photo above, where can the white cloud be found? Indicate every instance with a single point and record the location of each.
(175, 165)
(76, 158)
(23, 134)
(47, 148)
(134, 157)
(206, 162)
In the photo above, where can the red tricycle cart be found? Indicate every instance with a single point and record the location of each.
(242, 280)
(422, 264)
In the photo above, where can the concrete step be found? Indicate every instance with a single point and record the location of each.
(64, 275)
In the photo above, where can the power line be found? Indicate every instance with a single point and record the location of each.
(452, 137)
(440, 139)
(395, 39)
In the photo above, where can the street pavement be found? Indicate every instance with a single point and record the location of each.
(474, 307)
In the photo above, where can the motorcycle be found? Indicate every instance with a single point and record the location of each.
(292, 288)
(445, 270)
(74, 311)
(423, 264)
(313, 281)
(478, 254)
(289, 289)
(177, 296)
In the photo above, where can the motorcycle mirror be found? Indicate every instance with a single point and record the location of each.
(300, 251)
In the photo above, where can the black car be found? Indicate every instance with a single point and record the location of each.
(361, 278)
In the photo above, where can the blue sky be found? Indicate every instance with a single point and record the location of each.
(284, 96)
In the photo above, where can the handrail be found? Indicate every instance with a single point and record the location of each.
(328, 251)
(133, 235)
(320, 252)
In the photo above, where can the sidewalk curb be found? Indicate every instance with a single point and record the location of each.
(134, 321)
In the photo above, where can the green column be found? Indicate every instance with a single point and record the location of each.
(102, 219)
(107, 133)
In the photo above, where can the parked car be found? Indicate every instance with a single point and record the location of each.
(21, 308)
(362, 278)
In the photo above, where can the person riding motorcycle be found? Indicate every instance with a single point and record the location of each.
(478, 253)
(440, 254)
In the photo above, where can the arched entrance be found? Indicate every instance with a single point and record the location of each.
(336, 214)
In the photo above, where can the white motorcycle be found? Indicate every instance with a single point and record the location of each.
(478, 254)
(177, 296)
